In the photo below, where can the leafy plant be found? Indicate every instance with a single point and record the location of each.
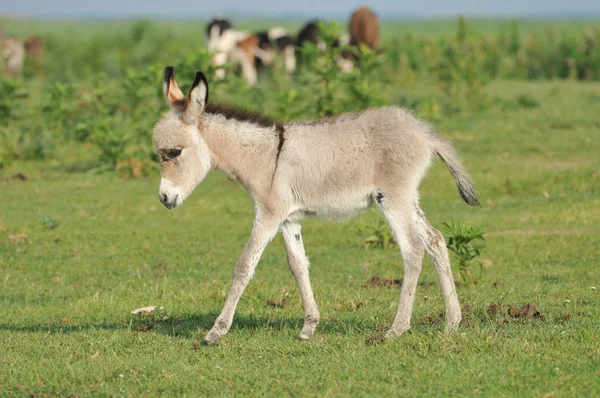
(466, 242)
(13, 97)
(378, 233)
(49, 222)
(528, 101)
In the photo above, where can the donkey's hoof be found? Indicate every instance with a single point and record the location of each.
(303, 337)
(211, 339)
(451, 328)
(375, 340)
(452, 324)
(393, 333)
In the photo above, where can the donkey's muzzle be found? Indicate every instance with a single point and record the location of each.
(169, 202)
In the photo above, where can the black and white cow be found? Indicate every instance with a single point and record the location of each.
(215, 29)
(221, 41)
(261, 49)
(310, 33)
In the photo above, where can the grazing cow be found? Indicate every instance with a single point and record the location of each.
(310, 33)
(329, 168)
(364, 30)
(214, 31)
(34, 46)
(261, 50)
(221, 40)
(13, 55)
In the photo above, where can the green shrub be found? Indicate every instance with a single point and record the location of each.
(466, 242)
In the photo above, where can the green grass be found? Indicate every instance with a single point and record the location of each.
(94, 247)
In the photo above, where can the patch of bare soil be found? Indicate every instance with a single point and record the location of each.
(144, 328)
(493, 309)
(376, 281)
(277, 303)
(375, 340)
(527, 311)
(15, 177)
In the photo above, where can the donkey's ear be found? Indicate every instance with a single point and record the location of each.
(197, 99)
(174, 96)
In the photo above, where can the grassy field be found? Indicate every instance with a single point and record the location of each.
(81, 245)
(78, 252)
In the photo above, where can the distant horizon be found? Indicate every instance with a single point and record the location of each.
(291, 16)
(285, 9)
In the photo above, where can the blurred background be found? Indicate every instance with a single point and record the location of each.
(59, 58)
(515, 85)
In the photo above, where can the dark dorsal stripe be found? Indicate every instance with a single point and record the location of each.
(241, 114)
(281, 136)
(281, 140)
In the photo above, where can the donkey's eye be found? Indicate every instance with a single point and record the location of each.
(173, 153)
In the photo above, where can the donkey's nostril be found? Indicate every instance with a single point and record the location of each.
(164, 198)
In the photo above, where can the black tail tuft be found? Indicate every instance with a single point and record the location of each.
(446, 152)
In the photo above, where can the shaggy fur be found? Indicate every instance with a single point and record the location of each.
(329, 169)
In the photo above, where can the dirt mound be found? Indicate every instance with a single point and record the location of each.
(527, 311)
(376, 281)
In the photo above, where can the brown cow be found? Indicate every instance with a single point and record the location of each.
(261, 49)
(34, 45)
(364, 28)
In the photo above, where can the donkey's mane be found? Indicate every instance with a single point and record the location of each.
(230, 111)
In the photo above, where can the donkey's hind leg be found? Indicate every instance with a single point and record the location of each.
(402, 223)
(299, 266)
(436, 249)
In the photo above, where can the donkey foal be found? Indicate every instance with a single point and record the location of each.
(330, 168)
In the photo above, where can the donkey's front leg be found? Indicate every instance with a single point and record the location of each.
(262, 233)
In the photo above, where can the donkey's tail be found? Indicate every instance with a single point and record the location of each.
(446, 152)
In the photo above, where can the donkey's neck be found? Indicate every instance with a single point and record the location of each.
(246, 151)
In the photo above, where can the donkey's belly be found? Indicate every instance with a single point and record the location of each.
(338, 207)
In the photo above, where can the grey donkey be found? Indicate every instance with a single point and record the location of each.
(330, 168)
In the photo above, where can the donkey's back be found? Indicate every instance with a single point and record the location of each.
(336, 166)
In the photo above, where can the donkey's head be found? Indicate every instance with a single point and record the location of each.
(184, 157)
